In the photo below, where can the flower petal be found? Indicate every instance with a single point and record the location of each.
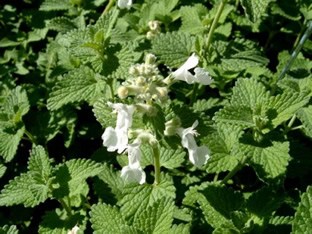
(199, 156)
(133, 174)
(202, 76)
(110, 139)
(124, 3)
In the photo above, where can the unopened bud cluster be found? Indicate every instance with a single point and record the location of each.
(154, 28)
(147, 85)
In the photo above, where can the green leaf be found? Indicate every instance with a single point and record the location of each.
(39, 166)
(303, 216)
(106, 23)
(138, 197)
(264, 202)
(286, 104)
(23, 190)
(217, 202)
(156, 218)
(2, 170)
(103, 113)
(169, 158)
(110, 185)
(236, 114)
(254, 9)
(16, 105)
(173, 48)
(249, 92)
(119, 58)
(9, 141)
(281, 220)
(224, 147)
(305, 116)
(106, 219)
(6, 229)
(61, 24)
(58, 222)
(54, 5)
(269, 162)
(78, 85)
(191, 21)
(71, 175)
(180, 229)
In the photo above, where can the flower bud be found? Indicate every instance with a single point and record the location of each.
(150, 59)
(122, 92)
(146, 109)
(140, 80)
(133, 70)
(154, 26)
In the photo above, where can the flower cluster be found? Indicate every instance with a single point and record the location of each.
(147, 86)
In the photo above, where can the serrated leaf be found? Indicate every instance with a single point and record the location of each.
(6, 229)
(71, 175)
(264, 201)
(113, 184)
(223, 145)
(303, 216)
(191, 22)
(2, 170)
(78, 85)
(39, 166)
(236, 114)
(9, 141)
(119, 58)
(269, 162)
(107, 219)
(286, 104)
(156, 218)
(180, 229)
(238, 64)
(54, 5)
(22, 190)
(281, 220)
(248, 92)
(169, 158)
(16, 105)
(61, 24)
(58, 222)
(138, 197)
(254, 9)
(305, 116)
(173, 48)
(106, 22)
(103, 113)
(217, 202)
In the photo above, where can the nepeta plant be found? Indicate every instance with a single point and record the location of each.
(155, 116)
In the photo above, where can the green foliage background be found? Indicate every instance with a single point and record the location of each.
(62, 60)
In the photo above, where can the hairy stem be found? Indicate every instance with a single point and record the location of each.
(214, 24)
(30, 136)
(156, 164)
(108, 6)
(239, 166)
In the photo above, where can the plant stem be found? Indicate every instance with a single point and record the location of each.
(111, 89)
(193, 97)
(108, 7)
(156, 164)
(291, 122)
(66, 207)
(234, 170)
(214, 24)
(30, 137)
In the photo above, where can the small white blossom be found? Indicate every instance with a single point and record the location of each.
(197, 155)
(124, 3)
(117, 138)
(74, 230)
(201, 75)
(134, 172)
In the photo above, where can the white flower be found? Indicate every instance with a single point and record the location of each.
(117, 138)
(197, 155)
(74, 230)
(124, 3)
(134, 172)
(201, 75)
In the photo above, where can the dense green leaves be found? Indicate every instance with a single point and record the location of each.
(78, 85)
(254, 9)
(302, 222)
(173, 49)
